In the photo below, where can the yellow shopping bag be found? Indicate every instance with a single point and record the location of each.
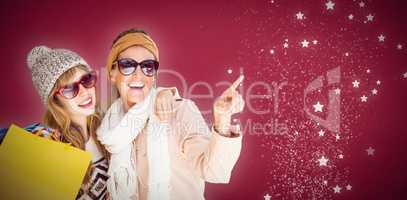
(32, 167)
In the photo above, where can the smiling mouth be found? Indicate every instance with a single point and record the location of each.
(87, 103)
(138, 85)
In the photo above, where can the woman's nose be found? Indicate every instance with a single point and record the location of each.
(82, 91)
(138, 74)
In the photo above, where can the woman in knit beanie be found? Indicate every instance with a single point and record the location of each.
(66, 86)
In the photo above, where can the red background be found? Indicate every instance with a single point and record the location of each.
(201, 40)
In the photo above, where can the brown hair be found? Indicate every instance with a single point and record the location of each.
(56, 117)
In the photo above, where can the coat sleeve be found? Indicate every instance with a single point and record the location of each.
(212, 155)
(36, 129)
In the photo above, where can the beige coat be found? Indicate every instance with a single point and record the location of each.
(197, 154)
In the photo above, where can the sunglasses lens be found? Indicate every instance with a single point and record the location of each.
(70, 91)
(89, 80)
(149, 67)
(126, 66)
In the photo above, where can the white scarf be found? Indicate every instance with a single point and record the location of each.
(118, 131)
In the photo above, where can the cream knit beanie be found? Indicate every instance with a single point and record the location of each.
(47, 65)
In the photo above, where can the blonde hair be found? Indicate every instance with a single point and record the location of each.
(58, 118)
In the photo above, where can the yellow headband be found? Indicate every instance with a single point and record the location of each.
(128, 40)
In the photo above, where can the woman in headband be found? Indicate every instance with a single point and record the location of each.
(155, 160)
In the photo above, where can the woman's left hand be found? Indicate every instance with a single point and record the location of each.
(229, 103)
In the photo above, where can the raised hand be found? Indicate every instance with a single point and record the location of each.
(229, 103)
(164, 105)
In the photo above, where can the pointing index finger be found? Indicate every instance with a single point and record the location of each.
(237, 82)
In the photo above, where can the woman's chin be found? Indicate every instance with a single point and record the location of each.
(86, 111)
(134, 99)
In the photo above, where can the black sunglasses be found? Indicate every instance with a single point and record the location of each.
(128, 66)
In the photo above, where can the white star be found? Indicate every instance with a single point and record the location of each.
(370, 17)
(315, 42)
(330, 5)
(285, 45)
(337, 91)
(271, 51)
(337, 137)
(378, 82)
(348, 187)
(305, 43)
(229, 71)
(267, 197)
(370, 151)
(355, 83)
(325, 182)
(368, 71)
(381, 38)
(300, 15)
(337, 189)
(374, 91)
(362, 4)
(321, 132)
(318, 107)
(405, 75)
(399, 46)
(296, 132)
(340, 156)
(350, 17)
(363, 98)
(323, 161)
(346, 54)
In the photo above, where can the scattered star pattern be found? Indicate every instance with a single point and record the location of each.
(307, 158)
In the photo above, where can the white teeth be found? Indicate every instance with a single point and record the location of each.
(86, 102)
(137, 84)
